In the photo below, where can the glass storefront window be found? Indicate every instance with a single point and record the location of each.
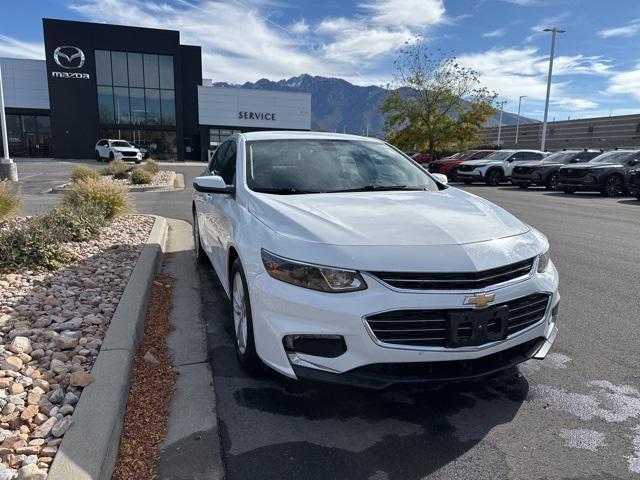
(103, 67)
(105, 105)
(162, 145)
(152, 100)
(136, 72)
(28, 135)
(119, 69)
(136, 98)
(28, 123)
(43, 124)
(166, 71)
(168, 107)
(121, 98)
(151, 76)
(219, 135)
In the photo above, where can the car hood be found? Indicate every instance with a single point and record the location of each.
(125, 149)
(417, 218)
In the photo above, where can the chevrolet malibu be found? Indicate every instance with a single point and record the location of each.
(346, 261)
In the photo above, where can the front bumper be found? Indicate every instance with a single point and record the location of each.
(588, 183)
(280, 309)
(472, 175)
(527, 178)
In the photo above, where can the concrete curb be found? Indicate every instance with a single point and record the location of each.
(88, 450)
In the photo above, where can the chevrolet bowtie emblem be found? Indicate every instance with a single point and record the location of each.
(480, 300)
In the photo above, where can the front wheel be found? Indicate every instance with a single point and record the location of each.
(468, 182)
(111, 157)
(98, 157)
(523, 186)
(613, 186)
(243, 320)
(494, 178)
(201, 256)
(569, 190)
(552, 183)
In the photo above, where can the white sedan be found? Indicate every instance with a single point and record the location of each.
(346, 261)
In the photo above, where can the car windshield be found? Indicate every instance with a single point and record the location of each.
(455, 155)
(500, 155)
(559, 157)
(323, 166)
(120, 143)
(615, 157)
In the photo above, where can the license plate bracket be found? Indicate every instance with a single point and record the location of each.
(469, 328)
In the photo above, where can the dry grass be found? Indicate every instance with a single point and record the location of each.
(9, 199)
(145, 421)
(112, 197)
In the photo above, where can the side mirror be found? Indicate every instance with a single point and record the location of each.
(574, 160)
(212, 184)
(511, 159)
(441, 178)
(633, 162)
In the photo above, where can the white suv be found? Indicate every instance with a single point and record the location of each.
(117, 150)
(497, 167)
(345, 261)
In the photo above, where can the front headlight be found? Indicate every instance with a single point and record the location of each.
(315, 277)
(543, 261)
(479, 166)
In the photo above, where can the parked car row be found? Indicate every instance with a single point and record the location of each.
(612, 173)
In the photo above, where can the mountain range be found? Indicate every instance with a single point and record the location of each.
(337, 105)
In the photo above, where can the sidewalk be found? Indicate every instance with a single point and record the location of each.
(192, 448)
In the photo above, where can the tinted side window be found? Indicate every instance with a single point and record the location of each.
(586, 156)
(227, 168)
(215, 161)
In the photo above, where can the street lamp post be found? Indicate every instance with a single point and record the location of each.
(518, 120)
(500, 122)
(8, 169)
(553, 31)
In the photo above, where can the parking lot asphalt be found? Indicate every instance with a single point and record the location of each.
(575, 415)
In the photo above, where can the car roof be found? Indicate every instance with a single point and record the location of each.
(297, 135)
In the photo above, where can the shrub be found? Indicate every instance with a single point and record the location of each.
(115, 167)
(76, 224)
(9, 199)
(151, 166)
(121, 175)
(82, 172)
(111, 197)
(140, 177)
(34, 246)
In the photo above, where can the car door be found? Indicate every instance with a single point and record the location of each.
(101, 149)
(222, 210)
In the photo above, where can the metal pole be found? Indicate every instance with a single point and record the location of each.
(553, 31)
(500, 123)
(3, 120)
(518, 120)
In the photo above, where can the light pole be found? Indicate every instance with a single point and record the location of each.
(518, 120)
(553, 31)
(500, 122)
(8, 169)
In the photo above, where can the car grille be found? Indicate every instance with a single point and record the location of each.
(129, 154)
(456, 280)
(436, 328)
(524, 170)
(466, 168)
(572, 172)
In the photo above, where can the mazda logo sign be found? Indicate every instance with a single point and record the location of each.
(67, 56)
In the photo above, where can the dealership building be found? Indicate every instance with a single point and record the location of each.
(138, 84)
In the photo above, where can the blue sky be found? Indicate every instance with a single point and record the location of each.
(597, 68)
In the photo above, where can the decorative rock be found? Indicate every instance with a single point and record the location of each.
(20, 345)
(61, 427)
(56, 396)
(70, 399)
(16, 389)
(29, 460)
(40, 418)
(58, 366)
(5, 382)
(66, 409)
(37, 354)
(42, 431)
(29, 412)
(65, 342)
(7, 474)
(11, 363)
(31, 472)
(81, 379)
(150, 358)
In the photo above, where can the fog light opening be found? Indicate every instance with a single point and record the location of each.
(329, 346)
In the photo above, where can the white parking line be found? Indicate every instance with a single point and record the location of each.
(30, 176)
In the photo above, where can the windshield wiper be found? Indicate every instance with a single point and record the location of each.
(283, 191)
(376, 188)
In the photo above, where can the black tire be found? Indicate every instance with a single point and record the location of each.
(568, 190)
(138, 161)
(552, 182)
(523, 186)
(638, 197)
(613, 186)
(493, 178)
(111, 157)
(249, 357)
(98, 157)
(201, 256)
(467, 182)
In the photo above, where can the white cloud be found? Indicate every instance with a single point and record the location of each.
(498, 32)
(406, 13)
(10, 47)
(300, 27)
(572, 104)
(625, 83)
(628, 30)
(523, 3)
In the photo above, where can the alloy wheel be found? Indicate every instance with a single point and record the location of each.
(239, 313)
(613, 186)
(553, 182)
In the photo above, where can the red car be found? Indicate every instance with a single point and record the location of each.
(448, 165)
(424, 157)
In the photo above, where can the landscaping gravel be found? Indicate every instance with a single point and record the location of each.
(51, 329)
(162, 178)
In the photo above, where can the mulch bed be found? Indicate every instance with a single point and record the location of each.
(145, 421)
